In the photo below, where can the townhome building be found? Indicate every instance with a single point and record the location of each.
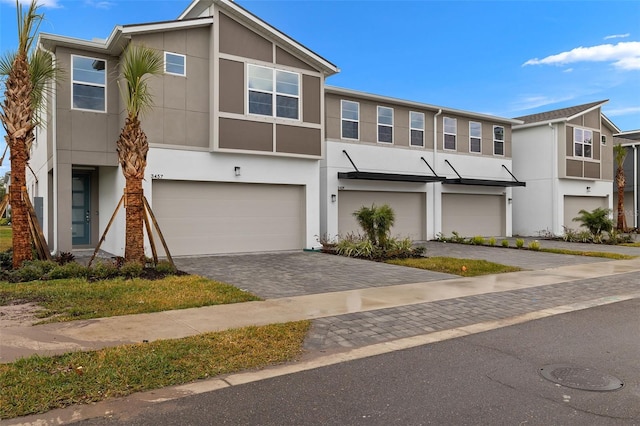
(566, 158)
(440, 169)
(630, 140)
(251, 151)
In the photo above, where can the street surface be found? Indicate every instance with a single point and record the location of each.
(490, 378)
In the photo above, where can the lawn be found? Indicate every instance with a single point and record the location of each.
(73, 299)
(39, 384)
(5, 238)
(451, 265)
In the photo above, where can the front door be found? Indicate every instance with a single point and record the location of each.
(81, 208)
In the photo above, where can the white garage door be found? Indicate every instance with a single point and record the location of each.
(573, 204)
(473, 214)
(409, 209)
(217, 217)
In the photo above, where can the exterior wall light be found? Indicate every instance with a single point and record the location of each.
(333, 198)
(236, 170)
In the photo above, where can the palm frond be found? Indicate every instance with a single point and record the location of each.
(28, 26)
(138, 64)
(42, 72)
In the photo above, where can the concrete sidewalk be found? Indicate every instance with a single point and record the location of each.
(376, 303)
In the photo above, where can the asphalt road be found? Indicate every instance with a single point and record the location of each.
(492, 378)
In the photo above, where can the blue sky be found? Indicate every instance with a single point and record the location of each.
(507, 58)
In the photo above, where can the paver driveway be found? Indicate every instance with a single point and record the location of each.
(285, 274)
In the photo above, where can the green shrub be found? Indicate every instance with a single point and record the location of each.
(64, 257)
(376, 222)
(28, 272)
(132, 269)
(492, 241)
(104, 269)
(477, 240)
(69, 270)
(4, 221)
(534, 245)
(350, 248)
(519, 243)
(596, 221)
(6, 259)
(165, 267)
(456, 238)
(505, 243)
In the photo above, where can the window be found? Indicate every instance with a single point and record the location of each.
(350, 119)
(275, 93)
(385, 124)
(603, 138)
(175, 63)
(582, 140)
(498, 140)
(88, 83)
(416, 126)
(475, 137)
(450, 130)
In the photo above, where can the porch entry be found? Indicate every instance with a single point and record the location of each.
(81, 208)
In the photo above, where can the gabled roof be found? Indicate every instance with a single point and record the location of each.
(119, 37)
(198, 7)
(563, 114)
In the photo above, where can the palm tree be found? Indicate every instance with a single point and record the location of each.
(376, 222)
(620, 153)
(26, 73)
(138, 63)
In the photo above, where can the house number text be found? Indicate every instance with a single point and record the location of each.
(156, 176)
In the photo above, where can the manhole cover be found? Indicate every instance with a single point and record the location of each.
(580, 378)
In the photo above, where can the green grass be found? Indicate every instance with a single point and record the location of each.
(73, 299)
(38, 384)
(450, 265)
(636, 244)
(616, 256)
(5, 238)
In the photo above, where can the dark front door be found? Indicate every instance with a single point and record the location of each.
(81, 208)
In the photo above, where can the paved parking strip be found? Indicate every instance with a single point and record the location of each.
(287, 274)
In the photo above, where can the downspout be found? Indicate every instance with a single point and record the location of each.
(54, 145)
(437, 208)
(554, 182)
(635, 185)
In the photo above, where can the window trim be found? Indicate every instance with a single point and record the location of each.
(384, 124)
(479, 138)
(85, 83)
(342, 101)
(184, 67)
(582, 143)
(274, 93)
(411, 129)
(455, 135)
(495, 141)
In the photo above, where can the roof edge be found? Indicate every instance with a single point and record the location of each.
(350, 92)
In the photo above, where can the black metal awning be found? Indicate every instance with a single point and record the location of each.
(483, 182)
(389, 177)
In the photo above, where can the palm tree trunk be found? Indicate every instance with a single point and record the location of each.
(132, 151)
(18, 121)
(134, 242)
(622, 219)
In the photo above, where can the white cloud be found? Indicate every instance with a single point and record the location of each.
(624, 55)
(617, 36)
(616, 112)
(568, 70)
(536, 101)
(99, 4)
(53, 4)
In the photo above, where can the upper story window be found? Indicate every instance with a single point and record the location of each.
(475, 137)
(385, 124)
(450, 130)
(274, 93)
(416, 126)
(89, 83)
(175, 64)
(582, 141)
(350, 117)
(498, 140)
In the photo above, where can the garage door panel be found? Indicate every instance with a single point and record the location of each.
(220, 217)
(409, 209)
(473, 214)
(573, 204)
